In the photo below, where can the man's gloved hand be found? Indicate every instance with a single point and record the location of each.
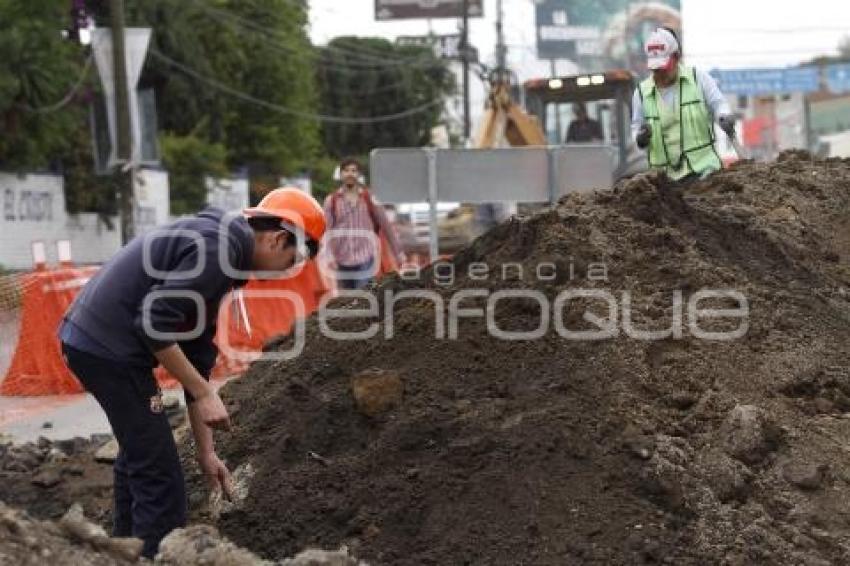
(643, 135)
(727, 124)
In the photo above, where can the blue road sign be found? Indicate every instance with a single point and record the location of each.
(838, 78)
(768, 81)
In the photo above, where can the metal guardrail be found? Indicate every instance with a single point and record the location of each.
(528, 174)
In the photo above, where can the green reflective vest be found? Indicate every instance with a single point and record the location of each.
(682, 139)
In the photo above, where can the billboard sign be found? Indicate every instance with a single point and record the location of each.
(601, 34)
(444, 46)
(424, 9)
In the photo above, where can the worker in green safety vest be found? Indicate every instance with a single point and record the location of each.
(673, 112)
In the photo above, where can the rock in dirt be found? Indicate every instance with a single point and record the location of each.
(202, 544)
(665, 476)
(314, 557)
(72, 446)
(47, 479)
(377, 391)
(749, 435)
(75, 524)
(129, 549)
(22, 459)
(727, 477)
(108, 453)
(28, 542)
(73, 470)
(807, 476)
(55, 455)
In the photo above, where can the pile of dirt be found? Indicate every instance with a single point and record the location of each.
(678, 450)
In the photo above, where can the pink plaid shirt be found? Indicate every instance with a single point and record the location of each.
(349, 246)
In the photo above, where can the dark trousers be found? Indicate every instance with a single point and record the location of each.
(150, 494)
(351, 277)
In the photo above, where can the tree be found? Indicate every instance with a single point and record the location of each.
(365, 78)
(844, 48)
(38, 70)
(256, 47)
(842, 57)
(238, 87)
(189, 160)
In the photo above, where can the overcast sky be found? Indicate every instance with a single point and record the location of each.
(717, 33)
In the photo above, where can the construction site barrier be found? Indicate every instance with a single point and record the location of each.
(37, 367)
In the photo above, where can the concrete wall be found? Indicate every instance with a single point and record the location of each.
(32, 208)
(231, 195)
(153, 205)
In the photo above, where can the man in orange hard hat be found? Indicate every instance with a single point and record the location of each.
(156, 302)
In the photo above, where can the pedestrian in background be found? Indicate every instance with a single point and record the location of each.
(353, 215)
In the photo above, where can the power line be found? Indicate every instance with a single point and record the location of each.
(375, 55)
(384, 88)
(809, 51)
(802, 29)
(341, 67)
(362, 60)
(292, 111)
(69, 96)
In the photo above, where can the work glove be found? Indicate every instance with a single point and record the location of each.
(727, 124)
(643, 135)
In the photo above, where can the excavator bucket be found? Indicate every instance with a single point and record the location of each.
(506, 124)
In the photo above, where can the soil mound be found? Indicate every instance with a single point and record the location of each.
(684, 449)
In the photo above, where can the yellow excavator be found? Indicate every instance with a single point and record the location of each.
(544, 121)
(505, 123)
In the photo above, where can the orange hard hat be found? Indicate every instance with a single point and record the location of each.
(295, 208)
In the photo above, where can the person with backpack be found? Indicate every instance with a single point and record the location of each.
(353, 216)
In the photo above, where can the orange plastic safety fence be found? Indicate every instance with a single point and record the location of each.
(272, 307)
(37, 367)
(270, 315)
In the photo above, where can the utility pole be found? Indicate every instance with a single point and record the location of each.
(122, 117)
(501, 49)
(554, 73)
(464, 41)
